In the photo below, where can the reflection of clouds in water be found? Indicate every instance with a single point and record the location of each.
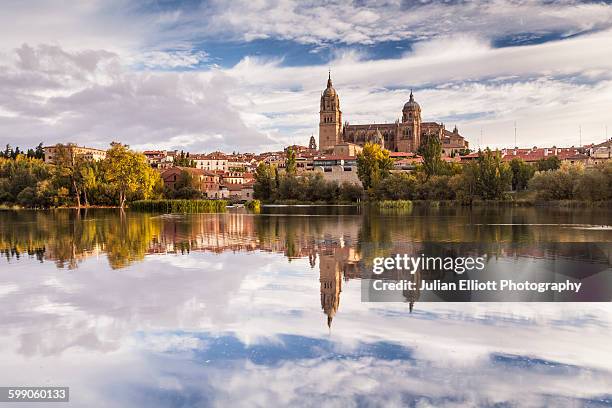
(374, 374)
(249, 327)
(369, 381)
(95, 307)
(260, 295)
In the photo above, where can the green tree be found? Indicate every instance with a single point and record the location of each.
(557, 184)
(398, 186)
(290, 188)
(373, 165)
(187, 186)
(436, 188)
(264, 187)
(39, 153)
(350, 192)
(23, 173)
(488, 177)
(184, 160)
(290, 163)
(68, 167)
(8, 152)
(594, 184)
(89, 179)
(550, 163)
(521, 174)
(128, 173)
(431, 150)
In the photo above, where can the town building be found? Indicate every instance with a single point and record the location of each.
(242, 192)
(404, 135)
(337, 168)
(88, 153)
(204, 181)
(601, 152)
(160, 159)
(210, 162)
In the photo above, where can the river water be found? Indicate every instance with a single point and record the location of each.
(150, 310)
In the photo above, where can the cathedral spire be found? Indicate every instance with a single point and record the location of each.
(411, 96)
(329, 81)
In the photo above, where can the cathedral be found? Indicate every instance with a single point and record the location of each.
(403, 135)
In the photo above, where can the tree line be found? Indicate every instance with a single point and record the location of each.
(72, 180)
(10, 153)
(271, 186)
(486, 177)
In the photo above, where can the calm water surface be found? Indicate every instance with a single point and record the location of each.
(150, 310)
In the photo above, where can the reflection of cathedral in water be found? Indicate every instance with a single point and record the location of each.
(345, 245)
(337, 262)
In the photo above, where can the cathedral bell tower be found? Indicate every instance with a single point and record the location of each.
(330, 118)
(410, 138)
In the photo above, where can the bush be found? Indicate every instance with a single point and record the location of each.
(398, 186)
(556, 184)
(27, 197)
(396, 204)
(436, 188)
(351, 192)
(521, 174)
(253, 205)
(592, 186)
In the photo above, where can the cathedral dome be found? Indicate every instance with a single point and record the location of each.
(329, 91)
(412, 104)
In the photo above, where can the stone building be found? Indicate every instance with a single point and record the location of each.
(403, 135)
(88, 153)
(206, 182)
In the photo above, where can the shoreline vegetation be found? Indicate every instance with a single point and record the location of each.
(192, 206)
(180, 206)
(124, 180)
(485, 180)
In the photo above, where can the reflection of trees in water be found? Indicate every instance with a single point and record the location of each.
(68, 236)
(129, 240)
(344, 240)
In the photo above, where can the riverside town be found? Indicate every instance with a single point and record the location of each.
(284, 203)
(392, 164)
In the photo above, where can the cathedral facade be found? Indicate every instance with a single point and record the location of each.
(404, 135)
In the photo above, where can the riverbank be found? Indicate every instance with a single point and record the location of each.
(450, 203)
(72, 207)
(194, 206)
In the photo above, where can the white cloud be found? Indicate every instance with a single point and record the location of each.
(171, 60)
(368, 22)
(98, 321)
(549, 89)
(91, 97)
(91, 81)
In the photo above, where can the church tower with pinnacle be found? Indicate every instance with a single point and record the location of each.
(410, 128)
(330, 119)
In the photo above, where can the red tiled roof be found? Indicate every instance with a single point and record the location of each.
(333, 157)
(401, 154)
(411, 160)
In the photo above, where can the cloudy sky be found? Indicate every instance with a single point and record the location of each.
(247, 75)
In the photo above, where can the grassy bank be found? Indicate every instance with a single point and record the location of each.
(253, 205)
(305, 202)
(404, 204)
(180, 206)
